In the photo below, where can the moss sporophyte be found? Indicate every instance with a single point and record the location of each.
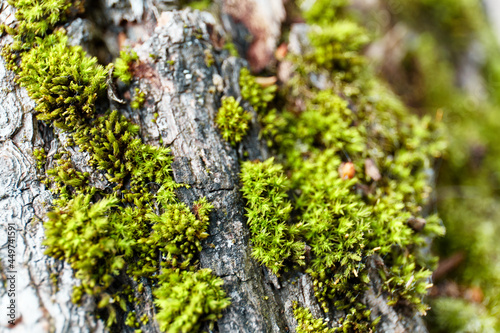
(136, 226)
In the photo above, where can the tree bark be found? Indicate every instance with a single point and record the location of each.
(185, 94)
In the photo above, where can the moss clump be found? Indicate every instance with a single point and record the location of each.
(268, 211)
(71, 82)
(254, 93)
(66, 180)
(123, 65)
(34, 19)
(187, 299)
(306, 323)
(138, 100)
(86, 237)
(345, 221)
(111, 141)
(178, 232)
(336, 48)
(136, 225)
(40, 157)
(232, 120)
(323, 12)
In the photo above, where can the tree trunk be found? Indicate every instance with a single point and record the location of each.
(185, 94)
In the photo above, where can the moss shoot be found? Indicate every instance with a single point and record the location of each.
(232, 120)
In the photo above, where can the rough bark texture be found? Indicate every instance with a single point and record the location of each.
(186, 96)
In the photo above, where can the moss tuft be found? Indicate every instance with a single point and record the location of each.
(268, 211)
(138, 100)
(232, 120)
(306, 323)
(122, 66)
(71, 82)
(186, 299)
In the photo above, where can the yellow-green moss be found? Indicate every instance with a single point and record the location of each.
(133, 226)
(122, 66)
(469, 177)
(138, 100)
(232, 120)
(306, 323)
(356, 120)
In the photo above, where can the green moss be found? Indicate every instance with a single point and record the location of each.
(231, 48)
(268, 211)
(232, 120)
(254, 93)
(131, 320)
(178, 233)
(132, 227)
(336, 48)
(345, 220)
(40, 157)
(323, 11)
(468, 180)
(85, 236)
(306, 323)
(138, 100)
(71, 82)
(196, 4)
(186, 299)
(458, 315)
(122, 68)
(34, 19)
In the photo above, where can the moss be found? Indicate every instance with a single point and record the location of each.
(336, 48)
(356, 121)
(40, 157)
(306, 323)
(196, 4)
(131, 320)
(468, 178)
(178, 232)
(232, 120)
(122, 68)
(35, 19)
(323, 11)
(268, 212)
(136, 225)
(458, 315)
(85, 236)
(231, 48)
(258, 96)
(138, 100)
(71, 83)
(187, 299)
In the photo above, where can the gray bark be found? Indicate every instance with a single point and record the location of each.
(186, 96)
